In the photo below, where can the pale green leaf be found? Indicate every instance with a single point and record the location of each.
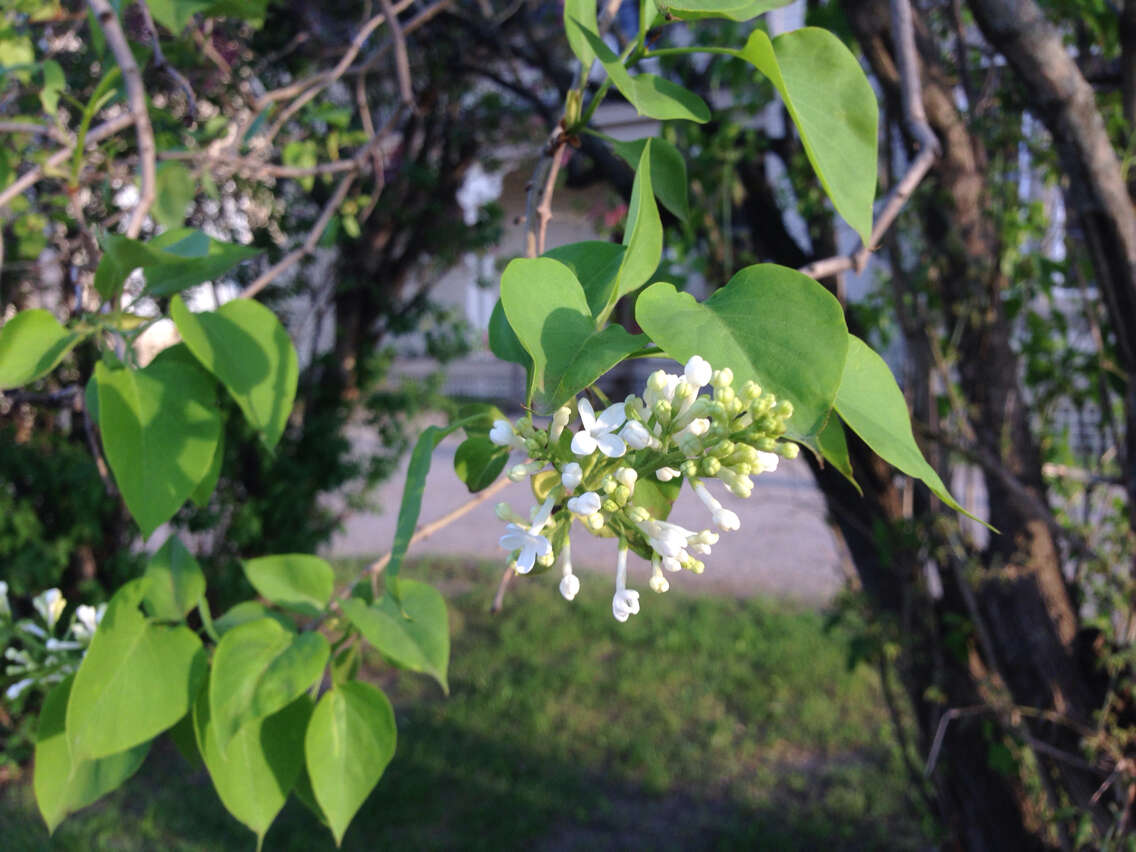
(62, 786)
(596, 265)
(832, 103)
(254, 773)
(160, 427)
(583, 12)
(668, 171)
(137, 679)
(643, 236)
(246, 347)
(259, 668)
(548, 311)
(296, 581)
(769, 324)
(871, 403)
(175, 191)
(32, 343)
(176, 582)
(734, 10)
(349, 742)
(415, 637)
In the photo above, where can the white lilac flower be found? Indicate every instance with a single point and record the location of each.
(524, 471)
(571, 476)
(660, 386)
(50, 606)
(625, 602)
(724, 519)
(667, 539)
(587, 503)
(666, 474)
(87, 619)
(559, 421)
(627, 476)
(698, 372)
(658, 582)
(5, 609)
(636, 435)
(31, 627)
(569, 582)
(61, 645)
(16, 689)
(529, 542)
(502, 435)
(766, 462)
(596, 432)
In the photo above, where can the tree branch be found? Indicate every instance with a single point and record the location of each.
(136, 100)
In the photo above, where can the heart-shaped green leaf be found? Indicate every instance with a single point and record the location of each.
(349, 742)
(549, 313)
(246, 347)
(415, 636)
(259, 668)
(254, 773)
(832, 103)
(770, 324)
(160, 427)
(596, 265)
(32, 343)
(296, 581)
(62, 786)
(176, 582)
(137, 679)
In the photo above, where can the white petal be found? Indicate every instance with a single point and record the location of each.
(613, 417)
(587, 415)
(698, 371)
(611, 446)
(513, 540)
(525, 560)
(571, 476)
(636, 435)
(583, 444)
(587, 503)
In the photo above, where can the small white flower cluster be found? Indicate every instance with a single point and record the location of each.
(619, 461)
(42, 657)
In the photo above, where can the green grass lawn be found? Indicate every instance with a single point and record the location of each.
(702, 723)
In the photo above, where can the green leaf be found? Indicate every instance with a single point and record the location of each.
(246, 347)
(246, 611)
(643, 236)
(503, 340)
(415, 637)
(174, 15)
(668, 171)
(176, 582)
(208, 484)
(53, 84)
(770, 324)
(872, 405)
(349, 742)
(596, 266)
(32, 343)
(259, 668)
(734, 10)
(583, 14)
(652, 96)
(832, 103)
(547, 308)
(175, 191)
(185, 741)
(160, 427)
(297, 581)
(478, 462)
(655, 496)
(833, 447)
(62, 786)
(261, 763)
(137, 679)
(177, 259)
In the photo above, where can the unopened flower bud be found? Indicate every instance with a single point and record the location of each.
(559, 421)
(666, 474)
(699, 426)
(610, 506)
(571, 476)
(587, 503)
(784, 409)
(662, 411)
(546, 561)
(638, 515)
(609, 485)
(569, 586)
(635, 434)
(658, 583)
(502, 433)
(698, 371)
(594, 522)
(722, 448)
(767, 462)
(726, 520)
(634, 408)
(710, 466)
(751, 390)
(533, 446)
(626, 476)
(722, 378)
(725, 395)
(788, 449)
(689, 468)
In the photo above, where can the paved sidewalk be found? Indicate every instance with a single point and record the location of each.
(784, 548)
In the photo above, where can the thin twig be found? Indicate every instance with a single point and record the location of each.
(93, 446)
(163, 65)
(36, 129)
(401, 58)
(36, 174)
(136, 100)
(915, 118)
(538, 200)
(502, 587)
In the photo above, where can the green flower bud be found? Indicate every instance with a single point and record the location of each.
(610, 506)
(710, 466)
(766, 445)
(722, 378)
(663, 411)
(546, 561)
(657, 381)
(783, 409)
(760, 406)
(609, 485)
(724, 395)
(689, 468)
(635, 408)
(722, 448)
(594, 522)
(788, 450)
(751, 390)
(621, 495)
(638, 515)
(533, 446)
